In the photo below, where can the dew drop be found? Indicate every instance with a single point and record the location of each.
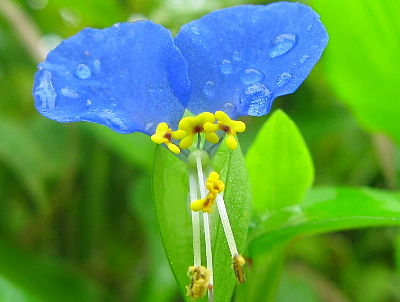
(149, 126)
(112, 120)
(208, 89)
(96, 66)
(45, 91)
(283, 79)
(226, 67)
(70, 93)
(195, 30)
(251, 76)
(282, 44)
(229, 108)
(303, 59)
(83, 71)
(256, 100)
(237, 56)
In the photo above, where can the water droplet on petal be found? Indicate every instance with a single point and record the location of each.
(226, 67)
(256, 100)
(251, 76)
(282, 44)
(195, 30)
(303, 59)
(283, 79)
(70, 93)
(112, 119)
(237, 56)
(88, 103)
(149, 126)
(229, 108)
(309, 27)
(45, 91)
(96, 66)
(208, 89)
(83, 71)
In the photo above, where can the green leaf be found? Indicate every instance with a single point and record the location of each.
(25, 158)
(25, 277)
(362, 60)
(134, 148)
(279, 165)
(170, 189)
(10, 292)
(263, 276)
(326, 210)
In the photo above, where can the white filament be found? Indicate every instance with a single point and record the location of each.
(226, 225)
(206, 223)
(195, 222)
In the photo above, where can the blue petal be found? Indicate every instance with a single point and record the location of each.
(241, 58)
(129, 77)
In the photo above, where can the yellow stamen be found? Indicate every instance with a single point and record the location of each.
(229, 126)
(214, 186)
(199, 280)
(194, 125)
(165, 135)
(238, 263)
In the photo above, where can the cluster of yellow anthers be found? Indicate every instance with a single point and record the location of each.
(199, 281)
(189, 127)
(214, 186)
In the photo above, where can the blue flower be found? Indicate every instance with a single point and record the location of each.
(136, 77)
(241, 58)
(129, 77)
(133, 76)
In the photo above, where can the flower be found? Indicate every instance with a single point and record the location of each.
(129, 77)
(135, 77)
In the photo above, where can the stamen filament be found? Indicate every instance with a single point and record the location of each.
(226, 225)
(195, 222)
(206, 226)
(207, 236)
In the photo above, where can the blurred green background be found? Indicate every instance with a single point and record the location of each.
(76, 218)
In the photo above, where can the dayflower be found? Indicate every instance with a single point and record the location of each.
(135, 77)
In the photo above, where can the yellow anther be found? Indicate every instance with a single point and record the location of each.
(229, 126)
(238, 263)
(214, 186)
(204, 204)
(199, 281)
(194, 125)
(165, 135)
